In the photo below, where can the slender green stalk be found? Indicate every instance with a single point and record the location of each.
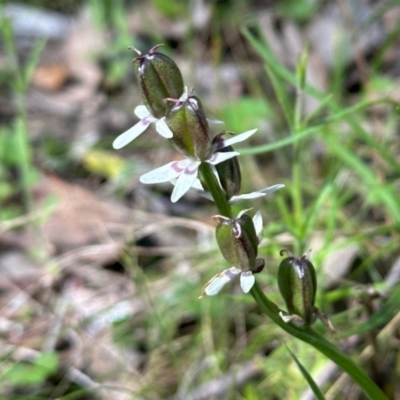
(296, 168)
(214, 188)
(296, 127)
(19, 83)
(306, 334)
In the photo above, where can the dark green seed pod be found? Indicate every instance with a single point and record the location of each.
(229, 174)
(298, 285)
(238, 242)
(189, 125)
(159, 78)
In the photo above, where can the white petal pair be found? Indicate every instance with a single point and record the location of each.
(145, 120)
(185, 171)
(215, 285)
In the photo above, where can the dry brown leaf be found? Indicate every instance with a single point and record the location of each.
(80, 218)
(50, 77)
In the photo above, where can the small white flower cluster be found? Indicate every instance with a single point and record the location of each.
(183, 173)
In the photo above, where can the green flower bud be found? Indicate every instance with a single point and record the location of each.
(228, 171)
(238, 242)
(298, 285)
(189, 125)
(159, 78)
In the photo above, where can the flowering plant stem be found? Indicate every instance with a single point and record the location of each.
(214, 188)
(306, 334)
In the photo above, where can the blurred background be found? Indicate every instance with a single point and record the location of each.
(100, 275)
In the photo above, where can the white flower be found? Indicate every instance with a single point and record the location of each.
(145, 120)
(215, 285)
(247, 279)
(186, 170)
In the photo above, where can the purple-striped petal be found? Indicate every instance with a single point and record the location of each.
(165, 173)
(142, 112)
(185, 180)
(217, 157)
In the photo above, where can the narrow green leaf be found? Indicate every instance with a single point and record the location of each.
(32, 61)
(281, 95)
(286, 74)
(315, 208)
(281, 143)
(9, 44)
(375, 191)
(313, 386)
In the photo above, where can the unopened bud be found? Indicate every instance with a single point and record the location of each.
(189, 125)
(238, 242)
(159, 78)
(229, 172)
(298, 285)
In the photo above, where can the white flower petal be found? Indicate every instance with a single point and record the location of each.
(235, 139)
(142, 112)
(285, 316)
(197, 185)
(247, 280)
(131, 134)
(163, 129)
(258, 225)
(213, 121)
(255, 195)
(247, 196)
(218, 157)
(214, 286)
(165, 173)
(185, 181)
(206, 195)
(185, 95)
(272, 189)
(243, 212)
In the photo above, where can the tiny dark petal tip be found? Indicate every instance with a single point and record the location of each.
(284, 252)
(305, 255)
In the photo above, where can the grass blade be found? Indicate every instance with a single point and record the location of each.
(313, 386)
